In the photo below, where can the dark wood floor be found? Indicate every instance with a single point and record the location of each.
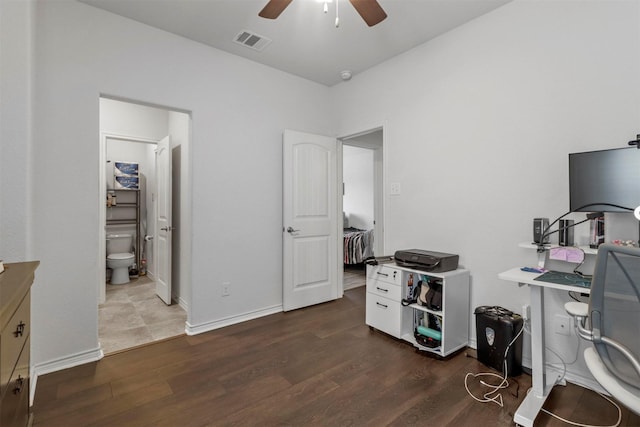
(316, 366)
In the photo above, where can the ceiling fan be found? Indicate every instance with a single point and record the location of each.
(369, 10)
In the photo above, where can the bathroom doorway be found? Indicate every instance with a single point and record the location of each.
(362, 167)
(131, 314)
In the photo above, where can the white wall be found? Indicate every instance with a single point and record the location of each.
(133, 120)
(239, 110)
(479, 123)
(16, 65)
(357, 175)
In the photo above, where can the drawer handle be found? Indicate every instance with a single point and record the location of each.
(19, 384)
(382, 274)
(382, 305)
(19, 329)
(382, 289)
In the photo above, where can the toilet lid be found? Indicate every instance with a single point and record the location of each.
(120, 256)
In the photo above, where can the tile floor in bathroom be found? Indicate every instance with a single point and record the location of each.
(133, 315)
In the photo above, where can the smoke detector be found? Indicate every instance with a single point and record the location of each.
(345, 75)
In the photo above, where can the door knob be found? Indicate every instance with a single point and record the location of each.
(291, 230)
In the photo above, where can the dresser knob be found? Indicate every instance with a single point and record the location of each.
(19, 383)
(19, 329)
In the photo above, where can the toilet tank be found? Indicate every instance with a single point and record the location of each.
(119, 243)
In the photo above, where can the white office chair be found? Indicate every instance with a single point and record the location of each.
(614, 319)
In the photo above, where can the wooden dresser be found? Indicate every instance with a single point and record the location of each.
(15, 327)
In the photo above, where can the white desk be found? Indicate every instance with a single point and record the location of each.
(541, 385)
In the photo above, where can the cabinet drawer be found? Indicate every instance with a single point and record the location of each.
(12, 340)
(384, 273)
(384, 314)
(14, 407)
(384, 289)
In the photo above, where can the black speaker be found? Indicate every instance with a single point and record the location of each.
(597, 232)
(539, 226)
(565, 233)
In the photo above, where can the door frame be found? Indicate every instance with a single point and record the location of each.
(379, 201)
(102, 196)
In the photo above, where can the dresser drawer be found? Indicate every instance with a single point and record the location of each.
(384, 314)
(384, 273)
(12, 340)
(384, 289)
(14, 407)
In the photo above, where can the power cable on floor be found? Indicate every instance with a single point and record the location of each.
(492, 395)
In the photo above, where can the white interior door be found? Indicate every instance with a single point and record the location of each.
(162, 240)
(310, 212)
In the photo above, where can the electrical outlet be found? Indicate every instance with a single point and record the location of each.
(395, 189)
(526, 312)
(226, 289)
(562, 325)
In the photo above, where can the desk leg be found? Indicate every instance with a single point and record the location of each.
(532, 403)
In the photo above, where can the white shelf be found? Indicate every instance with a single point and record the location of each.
(425, 309)
(586, 249)
(526, 278)
(388, 284)
(411, 339)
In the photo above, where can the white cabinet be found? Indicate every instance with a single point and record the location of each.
(384, 309)
(388, 284)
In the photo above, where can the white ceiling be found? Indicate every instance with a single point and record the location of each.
(305, 41)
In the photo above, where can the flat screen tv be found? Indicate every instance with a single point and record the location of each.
(605, 176)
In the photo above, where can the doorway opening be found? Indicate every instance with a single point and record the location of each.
(130, 312)
(362, 203)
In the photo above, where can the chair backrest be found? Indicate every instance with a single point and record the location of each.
(614, 308)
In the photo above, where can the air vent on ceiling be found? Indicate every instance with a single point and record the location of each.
(252, 40)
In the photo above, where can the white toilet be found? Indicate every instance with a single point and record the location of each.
(119, 257)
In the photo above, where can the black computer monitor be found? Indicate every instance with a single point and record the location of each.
(605, 180)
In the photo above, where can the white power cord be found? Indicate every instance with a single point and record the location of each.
(486, 397)
(491, 395)
(561, 378)
(573, 423)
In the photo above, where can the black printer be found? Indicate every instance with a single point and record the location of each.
(437, 262)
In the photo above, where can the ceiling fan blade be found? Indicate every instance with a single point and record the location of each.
(274, 8)
(370, 10)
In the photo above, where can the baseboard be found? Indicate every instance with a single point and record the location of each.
(231, 320)
(473, 343)
(60, 364)
(182, 303)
